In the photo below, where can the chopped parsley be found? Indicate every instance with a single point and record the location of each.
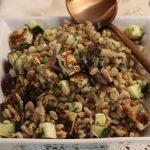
(95, 61)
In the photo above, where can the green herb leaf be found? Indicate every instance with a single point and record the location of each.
(125, 66)
(107, 99)
(95, 61)
(98, 25)
(142, 110)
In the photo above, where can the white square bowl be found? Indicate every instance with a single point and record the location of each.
(8, 25)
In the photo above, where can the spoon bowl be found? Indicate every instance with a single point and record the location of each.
(92, 10)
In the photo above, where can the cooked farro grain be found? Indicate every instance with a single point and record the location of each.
(120, 132)
(19, 135)
(61, 134)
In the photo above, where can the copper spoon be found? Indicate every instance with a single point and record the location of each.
(104, 11)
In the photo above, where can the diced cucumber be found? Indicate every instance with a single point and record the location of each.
(135, 91)
(35, 27)
(12, 57)
(50, 34)
(75, 106)
(7, 130)
(78, 38)
(48, 130)
(100, 119)
(18, 63)
(65, 87)
(97, 130)
(70, 40)
(134, 32)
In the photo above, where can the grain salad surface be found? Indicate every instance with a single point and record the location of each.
(73, 82)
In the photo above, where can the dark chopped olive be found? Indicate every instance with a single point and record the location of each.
(72, 136)
(85, 60)
(63, 121)
(146, 89)
(61, 50)
(100, 27)
(17, 126)
(106, 132)
(49, 108)
(56, 67)
(102, 63)
(89, 58)
(90, 44)
(3, 106)
(12, 99)
(24, 46)
(143, 118)
(93, 81)
(37, 30)
(94, 52)
(7, 84)
(7, 66)
(16, 107)
(100, 78)
(30, 94)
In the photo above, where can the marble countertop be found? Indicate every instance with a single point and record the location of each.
(128, 146)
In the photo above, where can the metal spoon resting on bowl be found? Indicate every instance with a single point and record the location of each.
(104, 11)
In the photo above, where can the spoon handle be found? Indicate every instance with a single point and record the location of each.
(142, 57)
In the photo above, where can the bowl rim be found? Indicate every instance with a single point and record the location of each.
(67, 16)
(14, 141)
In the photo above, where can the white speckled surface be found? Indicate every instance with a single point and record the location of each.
(129, 146)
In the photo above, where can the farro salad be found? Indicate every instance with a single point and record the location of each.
(73, 81)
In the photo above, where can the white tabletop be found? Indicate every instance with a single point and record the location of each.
(18, 8)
